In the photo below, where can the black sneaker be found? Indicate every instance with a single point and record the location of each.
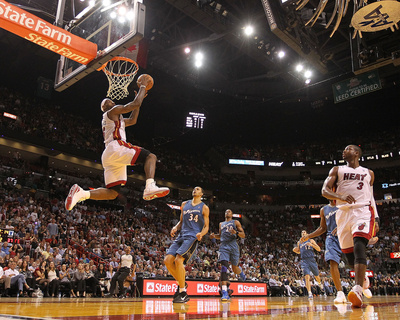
(177, 290)
(182, 297)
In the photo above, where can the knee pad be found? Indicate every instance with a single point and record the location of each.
(350, 259)
(224, 270)
(360, 255)
(116, 188)
(143, 155)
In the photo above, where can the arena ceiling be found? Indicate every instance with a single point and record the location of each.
(239, 70)
(243, 66)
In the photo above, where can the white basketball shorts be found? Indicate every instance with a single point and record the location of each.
(117, 155)
(357, 222)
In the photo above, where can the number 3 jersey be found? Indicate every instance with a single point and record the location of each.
(192, 220)
(356, 182)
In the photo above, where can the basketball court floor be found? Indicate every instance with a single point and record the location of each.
(381, 307)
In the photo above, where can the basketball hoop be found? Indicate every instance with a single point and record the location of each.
(120, 72)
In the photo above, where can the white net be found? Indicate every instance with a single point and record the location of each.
(120, 72)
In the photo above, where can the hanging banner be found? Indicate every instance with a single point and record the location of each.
(357, 86)
(36, 30)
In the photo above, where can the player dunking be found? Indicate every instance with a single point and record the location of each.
(357, 216)
(118, 154)
(308, 264)
(332, 248)
(229, 251)
(193, 225)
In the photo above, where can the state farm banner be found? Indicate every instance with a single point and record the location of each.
(44, 34)
(395, 255)
(159, 287)
(237, 306)
(369, 273)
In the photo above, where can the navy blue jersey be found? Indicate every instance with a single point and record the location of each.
(226, 227)
(306, 251)
(193, 220)
(330, 217)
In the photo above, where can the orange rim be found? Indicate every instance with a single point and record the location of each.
(118, 74)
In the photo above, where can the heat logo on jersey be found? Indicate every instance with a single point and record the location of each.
(362, 226)
(354, 176)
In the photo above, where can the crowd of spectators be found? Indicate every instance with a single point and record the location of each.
(61, 252)
(74, 253)
(205, 168)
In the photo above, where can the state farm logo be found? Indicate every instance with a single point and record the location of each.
(207, 288)
(150, 286)
(160, 287)
(250, 289)
(395, 255)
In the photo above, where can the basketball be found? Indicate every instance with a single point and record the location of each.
(145, 78)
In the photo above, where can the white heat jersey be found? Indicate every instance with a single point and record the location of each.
(356, 182)
(113, 130)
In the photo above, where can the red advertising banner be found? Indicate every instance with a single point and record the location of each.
(369, 273)
(36, 30)
(212, 306)
(395, 255)
(158, 287)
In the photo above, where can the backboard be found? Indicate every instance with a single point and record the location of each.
(112, 33)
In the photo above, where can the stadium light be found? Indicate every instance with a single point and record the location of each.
(248, 30)
(198, 63)
(299, 67)
(199, 56)
(113, 15)
(307, 81)
(187, 50)
(307, 74)
(281, 54)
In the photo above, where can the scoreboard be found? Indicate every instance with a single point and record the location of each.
(195, 120)
(7, 235)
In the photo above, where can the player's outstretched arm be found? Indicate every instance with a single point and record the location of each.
(296, 249)
(320, 230)
(315, 245)
(216, 236)
(135, 104)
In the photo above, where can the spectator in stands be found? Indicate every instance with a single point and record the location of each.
(6, 281)
(79, 281)
(29, 279)
(40, 277)
(122, 273)
(53, 276)
(17, 279)
(277, 288)
(5, 249)
(101, 276)
(52, 228)
(65, 281)
(91, 281)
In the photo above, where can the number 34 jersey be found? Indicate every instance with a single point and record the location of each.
(193, 220)
(356, 182)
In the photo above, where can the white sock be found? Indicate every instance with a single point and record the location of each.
(224, 288)
(182, 289)
(86, 194)
(149, 181)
